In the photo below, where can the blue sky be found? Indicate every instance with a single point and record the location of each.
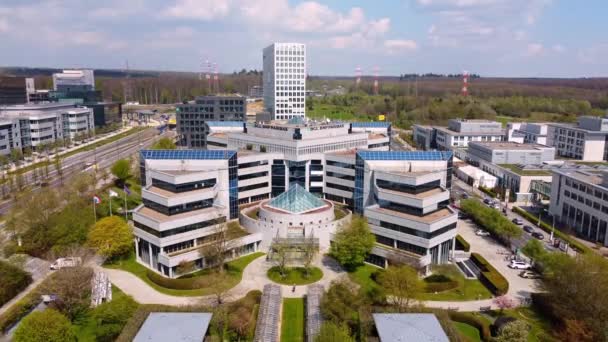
(519, 38)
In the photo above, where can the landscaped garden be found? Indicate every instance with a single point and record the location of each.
(292, 323)
(295, 275)
(206, 280)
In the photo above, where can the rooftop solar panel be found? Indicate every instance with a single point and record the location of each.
(224, 123)
(405, 155)
(187, 154)
(371, 124)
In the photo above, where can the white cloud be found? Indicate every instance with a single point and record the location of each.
(558, 48)
(199, 9)
(534, 49)
(3, 25)
(400, 45)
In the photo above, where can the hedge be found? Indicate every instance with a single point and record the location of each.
(488, 192)
(13, 280)
(548, 229)
(175, 284)
(491, 220)
(490, 277)
(474, 320)
(460, 241)
(21, 308)
(439, 283)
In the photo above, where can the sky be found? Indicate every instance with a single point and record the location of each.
(505, 38)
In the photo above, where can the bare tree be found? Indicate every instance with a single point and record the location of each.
(279, 251)
(72, 287)
(310, 250)
(216, 246)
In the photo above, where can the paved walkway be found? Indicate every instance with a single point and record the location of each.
(254, 278)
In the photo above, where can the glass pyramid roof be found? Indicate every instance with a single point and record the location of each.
(296, 200)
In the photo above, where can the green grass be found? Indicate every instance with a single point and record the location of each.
(468, 289)
(292, 323)
(540, 327)
(513, 168)
(295, 275)
(234, 272)
(362, 276)
(468, 331)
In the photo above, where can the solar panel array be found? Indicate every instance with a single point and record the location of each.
(187, 154)
(405, 155)
(224, 123)
(313, 311)
(371, 124)
(269, 316)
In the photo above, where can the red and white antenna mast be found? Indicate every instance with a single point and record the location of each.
(358, 74)
(216, 78)
(465, 83)
(376, 84)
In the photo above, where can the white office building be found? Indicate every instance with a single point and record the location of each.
(285, 80)
(74, 80)
(31, 125)
(527, 132)
(584, 141)
(457, 134)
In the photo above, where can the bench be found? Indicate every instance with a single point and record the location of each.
(485, 308)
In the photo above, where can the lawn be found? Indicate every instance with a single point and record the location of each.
(234, 271)
(295, 275)
(540, 327)
(292, 323)
(468, 289)
(468, 331)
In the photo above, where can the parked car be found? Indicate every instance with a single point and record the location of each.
(517, 221)
(528, 229)
(465, 196)
(504, 211)
(463, 216)
(66, 262)
(481, 232)
(538, 235)
(519, 265)
(487, 201)
(529, 275)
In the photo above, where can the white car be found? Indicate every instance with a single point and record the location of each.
(481, 232)
(519, 265)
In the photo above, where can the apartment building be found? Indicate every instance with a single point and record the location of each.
(457, 134)
(585, 140)
(191, 116)
(29, 126)
(579, 199)
(284, 80)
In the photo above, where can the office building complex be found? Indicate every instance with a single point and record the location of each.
(458, 134)
(584, 141)
(15, 90)
(579, 199)
(29, 126)
(74, 81)
(285, 80)
(509, 152)
(191, 117)
(288, 181)
(527, 132)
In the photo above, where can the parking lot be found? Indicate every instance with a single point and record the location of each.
(519, 288)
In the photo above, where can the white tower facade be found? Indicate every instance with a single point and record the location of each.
(285, 80)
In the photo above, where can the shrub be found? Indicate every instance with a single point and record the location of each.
(490, 277)
(111, 317)
(488, 192)
(461, 243)
(176, 284)
(45, 326)
(556, 233)
(475, 320)
(491, 220)
(13, 280)
(19, 310)
(439, 283)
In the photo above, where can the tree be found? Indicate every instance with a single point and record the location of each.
(353, 243)
(241, 320)
(185, 267)
(111, 237)
(110, 317)
(331, 332)
(503, 302)
(341, 305)
(310, 249)
(575, 330)
(218, 244)
(122, 171)
(516, 331)
(164, 144)
(72, 286)
(45, 326)
(279, 253)
(58, 167)
(403, 284)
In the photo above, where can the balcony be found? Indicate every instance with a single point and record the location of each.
(171, 199)
(427, 223)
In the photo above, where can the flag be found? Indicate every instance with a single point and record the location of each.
(113, 193)
(96, 199)
(126, 190)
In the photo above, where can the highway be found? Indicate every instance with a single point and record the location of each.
(104, 157)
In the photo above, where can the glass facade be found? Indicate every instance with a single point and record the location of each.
(297, 173)
(358, 193)
(278, 177)
(233, 184)
(296, 200)
(178, 209)
(184, 187)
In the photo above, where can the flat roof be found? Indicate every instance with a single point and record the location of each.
(587, 176)
(402, 327)
(174, 326)
(449, 131)
(169, 194)
(508, 145)
(430, 218)
(160, 217)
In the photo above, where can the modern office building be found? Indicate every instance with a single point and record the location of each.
(579, 199)
(192, 116)
(74, 81)
(15, 90)
(256, 92)
(509, 152)
(527, 132)
(584, 141)
(458, 134)
(285, 80)
(29, 126)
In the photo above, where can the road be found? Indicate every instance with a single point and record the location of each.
(103, 156)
